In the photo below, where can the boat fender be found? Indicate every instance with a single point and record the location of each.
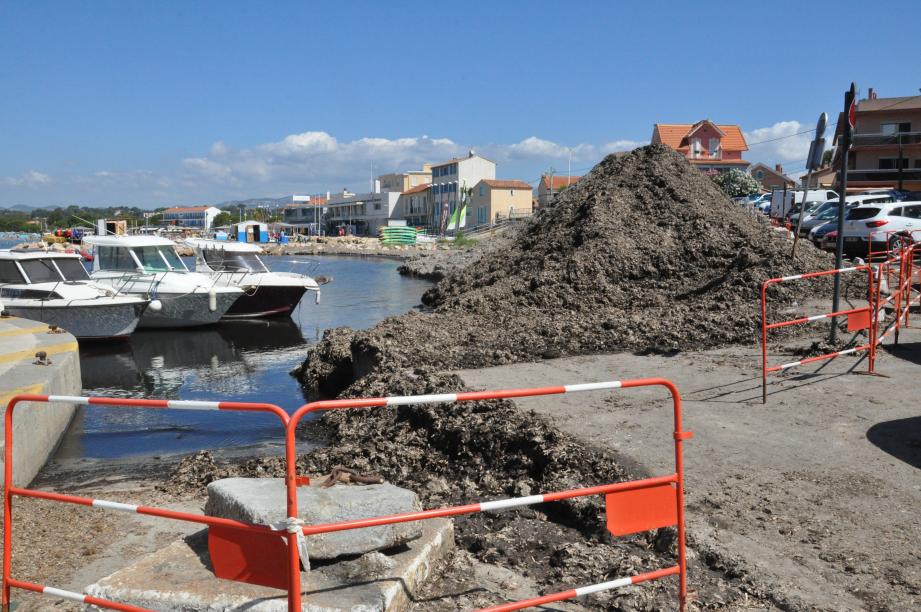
(317, 300)
(212, 299)
(155, 305)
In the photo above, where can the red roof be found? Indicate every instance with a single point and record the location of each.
(417, 189)
(506, 184)
(675, 135)
(178, 209)
(558, 181)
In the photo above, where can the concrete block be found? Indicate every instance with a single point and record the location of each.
(262, 500)
(178, 578)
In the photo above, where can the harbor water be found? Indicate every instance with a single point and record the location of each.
(244, 360)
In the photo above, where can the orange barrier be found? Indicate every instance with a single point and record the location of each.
(858, 319)
(9, 491)
(271, 555)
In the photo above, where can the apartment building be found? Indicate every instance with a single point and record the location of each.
(198, 217)
(417, 206)
(403, 181)
(454, 179)
(886, 147)
(305, 215)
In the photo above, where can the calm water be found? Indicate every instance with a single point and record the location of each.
(240, 361)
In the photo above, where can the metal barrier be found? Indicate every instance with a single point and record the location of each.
(858, 319)
(255, 553)
(631, 506)
(9, 490)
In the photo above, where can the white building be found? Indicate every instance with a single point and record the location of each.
(198, 217)
(451, 179)
(361, 213)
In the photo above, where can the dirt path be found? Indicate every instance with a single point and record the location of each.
(815, 495)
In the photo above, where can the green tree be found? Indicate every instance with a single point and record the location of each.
(737, 183)
(223, 218)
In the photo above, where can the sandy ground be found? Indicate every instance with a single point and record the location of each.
(814, 495)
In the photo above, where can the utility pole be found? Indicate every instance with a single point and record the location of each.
(901, 161)
(550, 199)
(850, 118)
(569, 172)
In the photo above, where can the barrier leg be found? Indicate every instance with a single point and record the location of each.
(7, 503)
(764, 343)
(680, 436)
(294, 560)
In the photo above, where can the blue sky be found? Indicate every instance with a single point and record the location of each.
(158, 103)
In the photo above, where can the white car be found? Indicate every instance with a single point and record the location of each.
(881, 227)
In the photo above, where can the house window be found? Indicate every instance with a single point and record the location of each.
(714, 148)
(759, 175)
(891, 163)
(377, 205)
(482, 215)
(894, 128)
(482, 190)
(695, 147)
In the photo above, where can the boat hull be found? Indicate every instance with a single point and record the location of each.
(84, 322)
(266, 301)
(188, 310)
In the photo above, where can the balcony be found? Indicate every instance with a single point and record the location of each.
(888, 176)
(887, 140)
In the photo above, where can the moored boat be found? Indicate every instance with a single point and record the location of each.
(54, 288)
(150, 266)
(237, 264)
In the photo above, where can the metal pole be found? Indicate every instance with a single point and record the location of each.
(802, 213)
(842, 194)
(901, 161)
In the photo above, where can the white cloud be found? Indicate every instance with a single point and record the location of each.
(538, 148)
(785, 143)
(32, 178)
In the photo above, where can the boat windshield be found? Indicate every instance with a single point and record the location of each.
(9, 272)
(159, 259)
(72, 269)
(224, 261)
(40, 270)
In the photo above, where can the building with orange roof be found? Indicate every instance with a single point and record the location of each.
(493, 199)
(712, 148)
(550, 186)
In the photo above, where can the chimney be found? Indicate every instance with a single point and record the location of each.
(872, 94)
(778, 168)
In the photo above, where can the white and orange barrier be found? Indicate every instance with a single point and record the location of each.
(270, 555)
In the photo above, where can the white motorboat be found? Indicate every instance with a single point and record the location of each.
(54, 288)
(150, 266)
(237, 264)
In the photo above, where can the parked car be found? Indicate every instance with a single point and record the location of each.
(828, 212)
(828, 242)
(819, 233)
(881, 227)
(793, 215)
(897, 195)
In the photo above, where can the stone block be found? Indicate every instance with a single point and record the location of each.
(262, 500)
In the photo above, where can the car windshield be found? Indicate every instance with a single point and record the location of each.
(857, 214)
(158, 259)
(40, 271)
(223, 261)
(72, 269)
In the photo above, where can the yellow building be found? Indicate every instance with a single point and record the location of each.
(495, 199)
(404, 181)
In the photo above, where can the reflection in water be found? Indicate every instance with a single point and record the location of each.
(242, 360)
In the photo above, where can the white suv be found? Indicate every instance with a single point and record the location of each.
(884, 226)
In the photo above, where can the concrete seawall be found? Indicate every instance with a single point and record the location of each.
(37, 427)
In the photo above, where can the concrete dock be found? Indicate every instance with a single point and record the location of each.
(37, 427)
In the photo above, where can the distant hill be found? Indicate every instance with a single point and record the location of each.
(255, 202)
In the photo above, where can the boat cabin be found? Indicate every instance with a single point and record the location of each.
(135, 254)
(18, 269)
(227, 256)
